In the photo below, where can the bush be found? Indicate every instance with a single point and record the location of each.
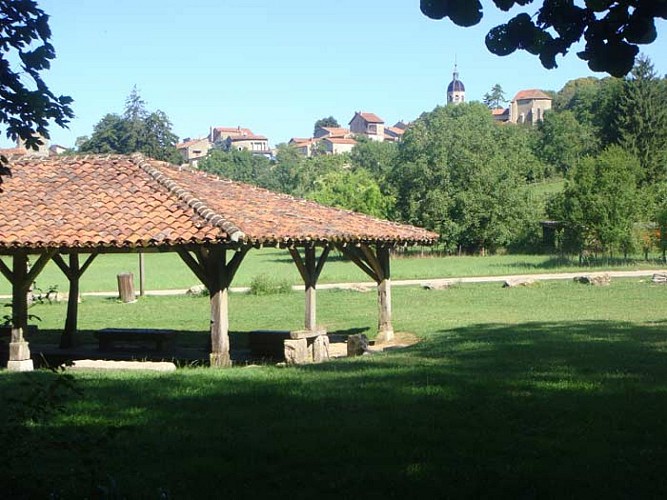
(263, 284)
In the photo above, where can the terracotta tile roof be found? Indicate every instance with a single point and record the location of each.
(336, 131)
(395, 130)
(187, 144)
(531, 94)
(249, 137)
(500, 111)
(13, 151)
(128, 201)
(339, 140)
(300, 140)
(233, 130)
(371, 118)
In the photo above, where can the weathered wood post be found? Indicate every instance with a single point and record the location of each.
(310, 319)
(126, 287)
(218, 293)
(216, 274)
(310, 268)
(385, 327)
(73, 272)
(19, 352)
(21, 278)
(68, 338)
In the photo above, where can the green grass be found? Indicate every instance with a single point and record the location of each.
(166, 271)
(558, 390)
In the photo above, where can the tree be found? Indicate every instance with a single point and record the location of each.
(352, 190)
(563, 141)
(495, 98)
(329, 121)
(240, 165)
(137, 130)
(377, 158)
(453, 176)
(599, 205)
(642, 120)
(26, 103)
(611, 30)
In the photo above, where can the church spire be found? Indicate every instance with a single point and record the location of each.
(456, 91)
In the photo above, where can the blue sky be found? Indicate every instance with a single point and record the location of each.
(277, 66)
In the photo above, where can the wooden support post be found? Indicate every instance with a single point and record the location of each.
(216, 274)
(376, 265)
(67, 339)
(310, 268)
(142, 275)
(385, 327)
(19, 352)
(73, 272)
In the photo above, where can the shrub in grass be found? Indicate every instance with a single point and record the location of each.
(264, 284)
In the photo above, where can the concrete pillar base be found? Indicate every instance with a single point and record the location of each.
(25, 365)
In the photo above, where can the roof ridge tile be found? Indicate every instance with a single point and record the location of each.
(200, 208)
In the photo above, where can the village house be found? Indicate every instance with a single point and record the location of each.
(193, 149)
(368, 124)
(338, 145)
(340, 132)
(529, 106)
(256, 144)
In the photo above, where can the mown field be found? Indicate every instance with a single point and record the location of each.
(558, 390)
(167, 271)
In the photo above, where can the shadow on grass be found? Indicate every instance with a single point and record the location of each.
(557, 262)
(534, 410)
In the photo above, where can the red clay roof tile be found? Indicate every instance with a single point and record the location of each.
(128, 201)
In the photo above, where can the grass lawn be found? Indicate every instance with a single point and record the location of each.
(165, 271)
(559, 390)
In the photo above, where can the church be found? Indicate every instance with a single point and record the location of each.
(456, 91)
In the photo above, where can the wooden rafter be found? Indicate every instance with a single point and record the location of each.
(195, 266)
(310, 267)
(6, 272)
(356, 256)
(38, 267)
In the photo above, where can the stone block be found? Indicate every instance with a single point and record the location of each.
(19, 351)
(659, 278)
(296, 351)
(594, 279)
(511, 283)
(357, 344)
(25, 365)
(319, 349)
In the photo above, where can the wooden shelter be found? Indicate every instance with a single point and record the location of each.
(69, 207)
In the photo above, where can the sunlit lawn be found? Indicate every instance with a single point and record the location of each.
(167, 271)
(555, 391)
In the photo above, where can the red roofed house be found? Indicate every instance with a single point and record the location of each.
(338, 145)
(219, 134)
(332, 132)
(256, 144)
(528, 106)
(394, 134)
(368, 124)
(193, 150)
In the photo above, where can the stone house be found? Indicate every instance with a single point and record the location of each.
(193, 149)
(338, 145)
(368, 124)
(341, 132)
(529, 106)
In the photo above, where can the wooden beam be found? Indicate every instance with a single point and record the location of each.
(39, 266)
(6, 272)
(355, 256)
(234, 263)
(195, 267)
(321, 261)
(372, 261)
(57, 258)
(87, 263)
(296, 257)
